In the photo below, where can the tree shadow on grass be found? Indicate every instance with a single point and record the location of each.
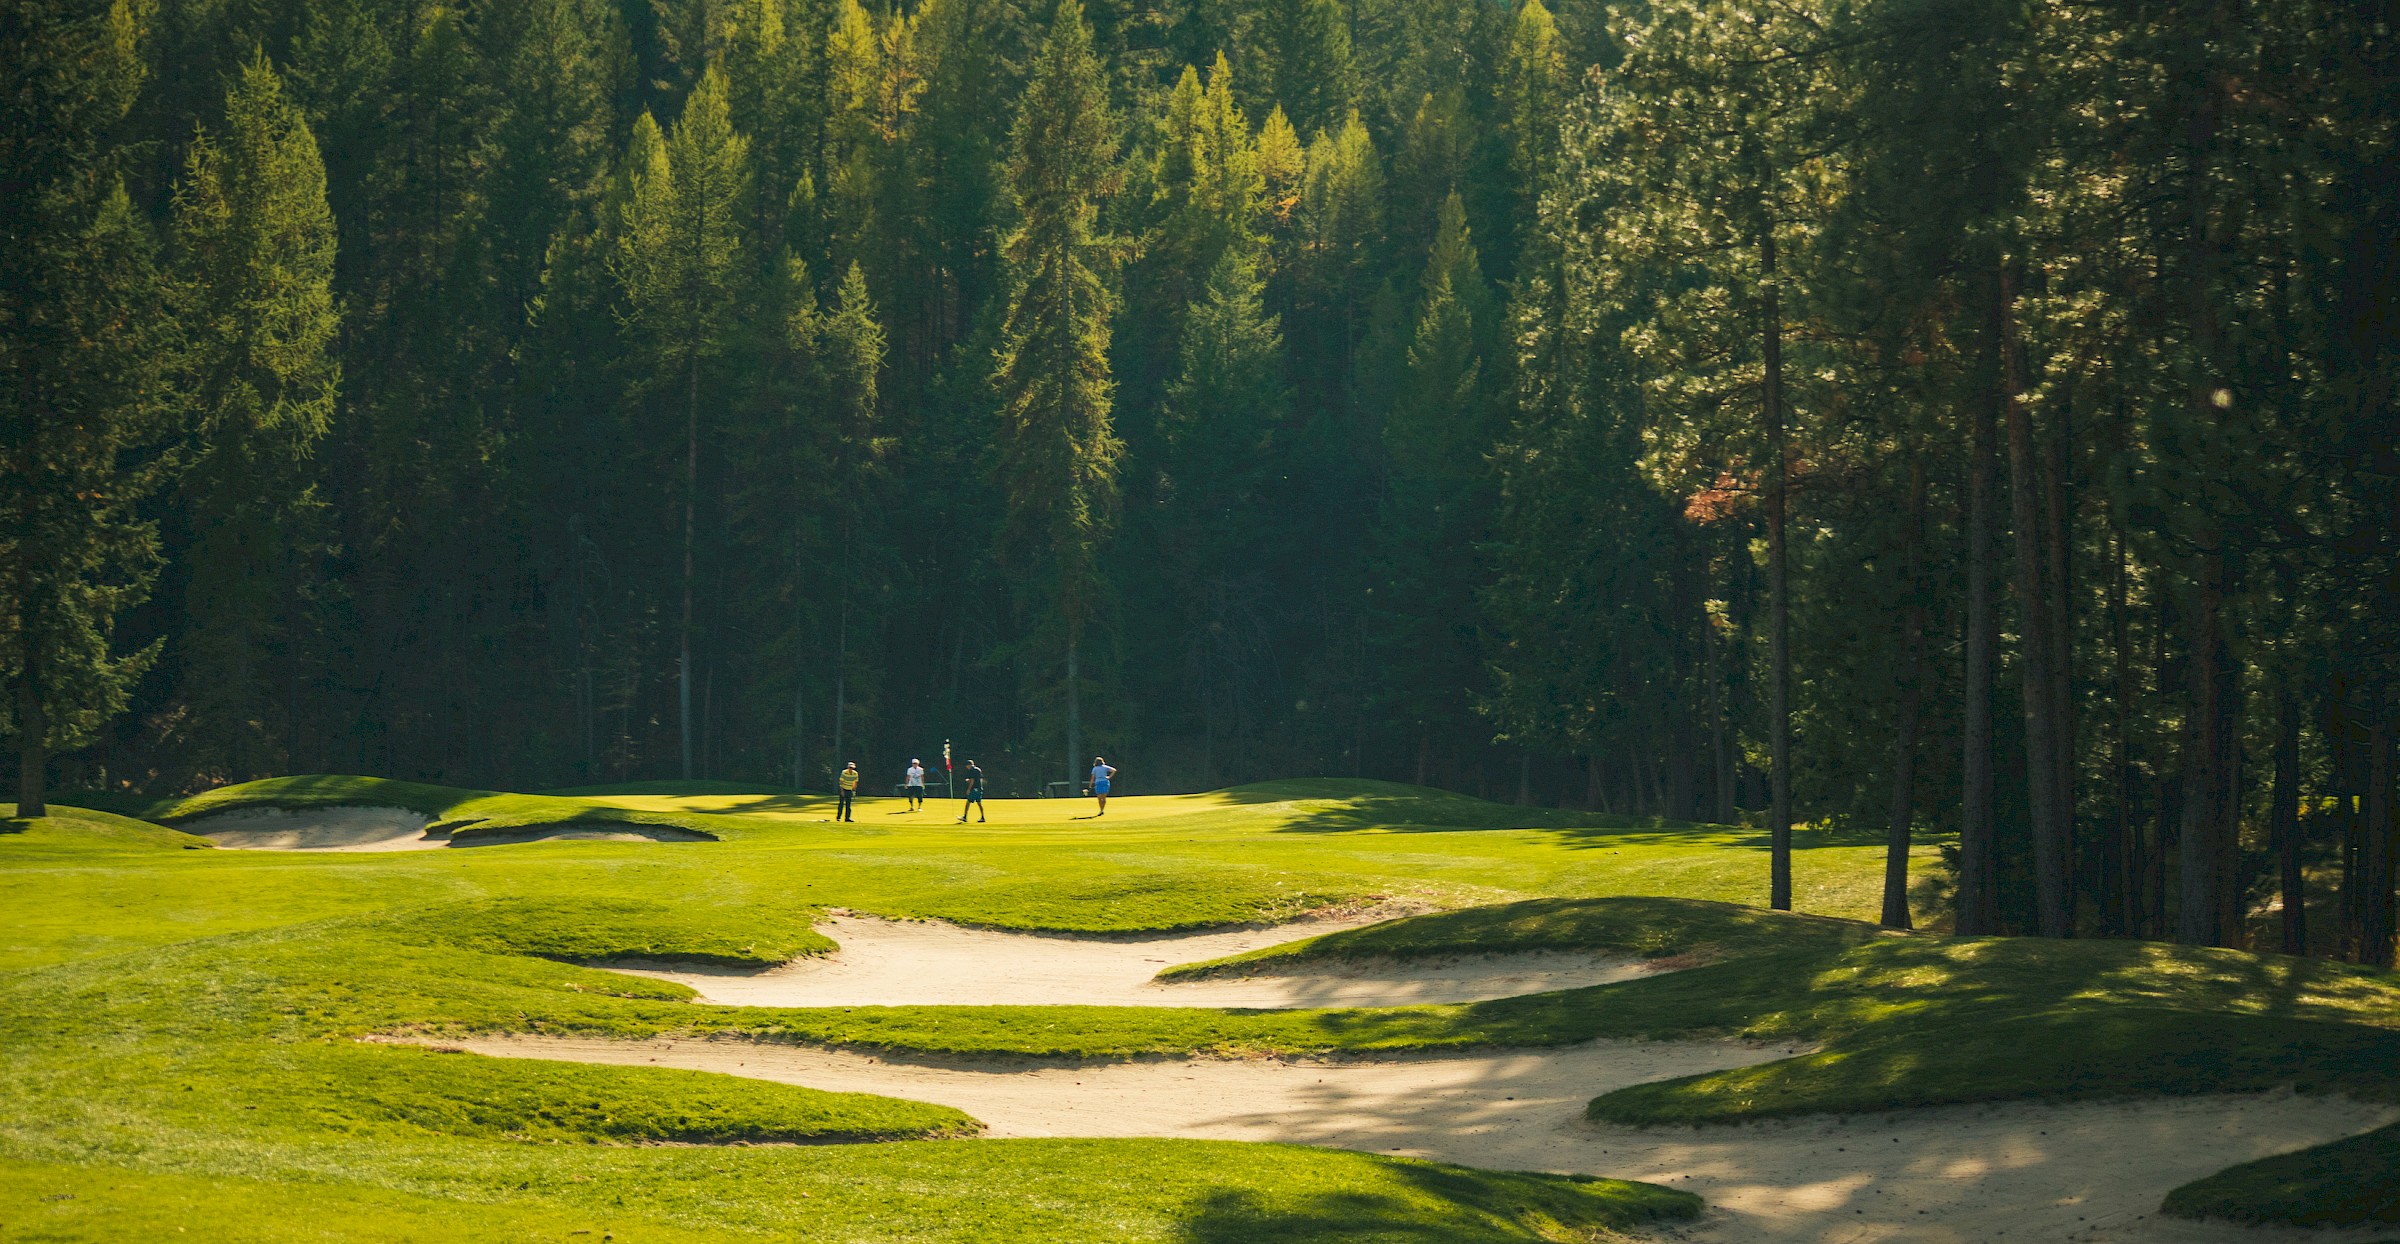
(1451, 1205)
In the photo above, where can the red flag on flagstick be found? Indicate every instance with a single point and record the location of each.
(945, 756)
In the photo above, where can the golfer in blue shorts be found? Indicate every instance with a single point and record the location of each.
(974, 795)
(1102, 771)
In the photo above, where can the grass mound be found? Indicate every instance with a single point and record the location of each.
(496, 1099)
(463, 814)
(77, 826)
(1648, 928)
(607, 927)
(2350, 1182)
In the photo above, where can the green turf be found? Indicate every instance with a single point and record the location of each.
(179, 1015)
(1648, 928)
(74, 827)
(152, 995)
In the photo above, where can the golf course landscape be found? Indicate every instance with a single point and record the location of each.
(722, 1016)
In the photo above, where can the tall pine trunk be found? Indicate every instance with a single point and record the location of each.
(1074, 709)
(2209, 912)
(2121, 886)
(2035, 617)
(1779, 648)
(1978, 836)
(2375, 849)
(2061, 569)
(1912, 698)
(33, 754)
(2283, 819)
(691, 501)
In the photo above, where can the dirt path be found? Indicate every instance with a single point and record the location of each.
(928, 963)
(1954, 1175)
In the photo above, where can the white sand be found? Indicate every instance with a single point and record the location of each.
(1953, 1175)
(928, 963)
(391, 829)
(319, 829)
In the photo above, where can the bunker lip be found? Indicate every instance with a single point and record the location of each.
(931, 963)
(374, 829)
(2083, 1171)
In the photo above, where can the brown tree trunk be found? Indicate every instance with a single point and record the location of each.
(1912, 695)
(2209, 910)
(2037, 649)
(1978, 838)
(2375, 849)
(2121, 853)
(2283, 820)
(691, 499)
(33, 752)
(2061, 569)
(1779, 649)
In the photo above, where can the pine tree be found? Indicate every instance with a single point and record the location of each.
(83, 412)
(680, 260)
(1436, 439)
(1058, 447)
(1224, 444)
(1295, 55)
(1533, 90)
(253, 293)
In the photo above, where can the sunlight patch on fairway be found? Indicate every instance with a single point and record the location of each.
(881, 809)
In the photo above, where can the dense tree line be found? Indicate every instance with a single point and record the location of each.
(1887, 416)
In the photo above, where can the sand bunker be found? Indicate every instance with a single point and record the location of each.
(896, 963)
(2080, 1172)
(394, 829)
(319, 829)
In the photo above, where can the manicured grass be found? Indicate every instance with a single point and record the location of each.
(170, 1009)
(170, 1015)
(74, 827)
(1645, 928)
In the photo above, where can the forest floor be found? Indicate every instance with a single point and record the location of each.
(247, 1029)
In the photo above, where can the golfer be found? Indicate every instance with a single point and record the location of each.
(849, 789)
(974, 795)
(1102, 771)
(913, 785)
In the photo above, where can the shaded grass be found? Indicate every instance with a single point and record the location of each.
(2346, 1183)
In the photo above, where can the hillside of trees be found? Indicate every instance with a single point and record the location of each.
(1885, 416)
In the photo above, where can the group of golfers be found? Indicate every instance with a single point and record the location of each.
(912, 784)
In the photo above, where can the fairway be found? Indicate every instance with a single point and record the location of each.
(982, 1033)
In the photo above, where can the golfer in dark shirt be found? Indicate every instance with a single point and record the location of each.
(974, 795)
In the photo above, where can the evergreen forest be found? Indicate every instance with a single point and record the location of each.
(1956, 421)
